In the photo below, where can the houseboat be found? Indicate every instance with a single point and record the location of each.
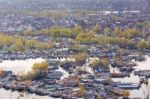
(129, 85)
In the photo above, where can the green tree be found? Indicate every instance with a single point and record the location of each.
(126, 94)
(80, 58)
(18, 46)
(107, 31)
(87, 38)
(97, 28)
(40, 66)
(142, 44)
(95, 63)
(105, 63)
(138, 24)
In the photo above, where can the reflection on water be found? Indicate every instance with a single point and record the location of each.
(5, 94)
(145, 65)
(26, 65)
(144, 91)
(65, 74)
(19, 65)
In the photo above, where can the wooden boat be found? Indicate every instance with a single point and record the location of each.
(129, 85)
(117, 75)
(130, 69)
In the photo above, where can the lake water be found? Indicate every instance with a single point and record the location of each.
(8, 94)
(19, 66)
(26, 65)
(144, 91)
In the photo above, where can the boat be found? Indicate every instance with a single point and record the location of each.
(130, 69)
(136, 72)
(55, 94)
(118, 75)
(129, 85)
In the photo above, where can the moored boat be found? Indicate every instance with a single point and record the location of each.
(129, 85)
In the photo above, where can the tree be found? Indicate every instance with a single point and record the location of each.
(97, 97)
(118, 60)
(126, 94)
(116, 31)
(82, 89)
(87, 38)
(40, 66)
(27, 32)
(95, 63)
(78, 28)
(107, 31)
(105, 63)
(80, 58)
(127, 33)
(56, 31)
(18, 45)
(132, 32)
(6, 48)
(146, 25)
(12, 43)
(97, 28)
(30, 75)
(78, 48)
(138, 24)
(113, 18)
(102, 63)
(142, 44)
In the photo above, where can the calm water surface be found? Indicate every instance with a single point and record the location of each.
(26, 65)
(20, 66)
(7, 94)
(144, 91)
